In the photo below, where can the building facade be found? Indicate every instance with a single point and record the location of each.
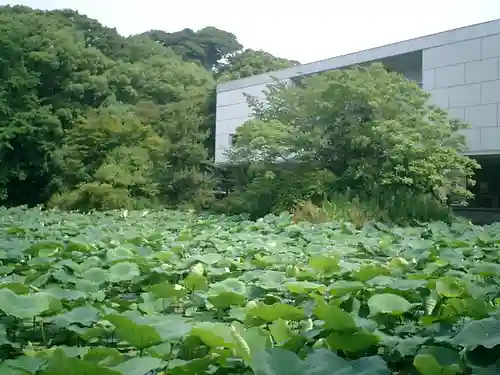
(460, 68)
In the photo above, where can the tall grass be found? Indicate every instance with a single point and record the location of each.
(401, 208)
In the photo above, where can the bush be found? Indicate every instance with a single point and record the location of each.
(314, 196)
(93, 196)
(273, 189)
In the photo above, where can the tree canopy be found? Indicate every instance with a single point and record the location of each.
(248, 63)
(84, 108)
(369, 130)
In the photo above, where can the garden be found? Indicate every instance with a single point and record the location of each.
(143, 292)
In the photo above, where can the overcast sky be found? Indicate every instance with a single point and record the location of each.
(304, 30)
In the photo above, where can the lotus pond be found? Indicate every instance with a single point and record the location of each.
(143, 292)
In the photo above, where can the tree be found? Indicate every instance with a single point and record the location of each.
(47, 78)
(374, 130)
(206, 46)
(109, 153)
(248, 63)
(76, 99)
(142, 47)
(107, 40)
(163, 94)
(176, 97)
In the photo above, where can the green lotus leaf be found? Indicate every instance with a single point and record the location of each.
(123, 271)
(387, 303)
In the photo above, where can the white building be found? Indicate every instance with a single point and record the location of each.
(460, 68)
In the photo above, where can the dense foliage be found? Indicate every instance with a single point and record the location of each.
(362, 129)
(90, 119)
(129, 292)
(93, 120)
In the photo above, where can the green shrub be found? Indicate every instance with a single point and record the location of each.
(274, 189)
(93, 196)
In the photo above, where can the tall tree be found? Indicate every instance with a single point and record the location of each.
(109, 153)
(373, 129)
(171, 97)
(47, 77)
(206, 46)
(105, 39)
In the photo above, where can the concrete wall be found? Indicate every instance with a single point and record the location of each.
(232, 111)
(464, 78)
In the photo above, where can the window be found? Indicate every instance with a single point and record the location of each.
(232, 139)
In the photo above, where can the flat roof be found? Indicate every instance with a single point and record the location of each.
(412, 45)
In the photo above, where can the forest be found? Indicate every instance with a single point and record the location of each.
(92, 120)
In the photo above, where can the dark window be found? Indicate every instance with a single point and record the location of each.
(232, 139)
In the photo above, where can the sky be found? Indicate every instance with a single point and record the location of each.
(303, 30)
